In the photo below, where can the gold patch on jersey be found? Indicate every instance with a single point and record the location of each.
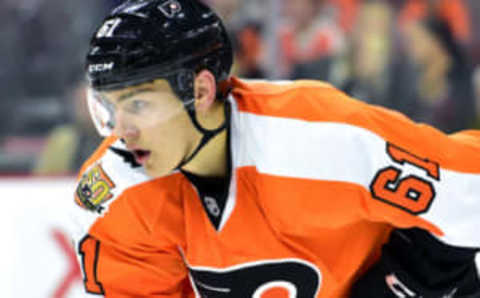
(94, 189)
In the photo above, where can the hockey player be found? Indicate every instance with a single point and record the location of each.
(214, 186)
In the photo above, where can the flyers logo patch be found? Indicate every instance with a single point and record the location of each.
(94, 189)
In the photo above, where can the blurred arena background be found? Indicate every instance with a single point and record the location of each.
(420, 57)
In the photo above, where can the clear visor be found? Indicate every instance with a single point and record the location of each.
(101, 112)
(141, 108)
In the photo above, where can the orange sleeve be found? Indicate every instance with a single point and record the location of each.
(457, 152)
(376, 163)
(118, 271)
(426, 179)
(134, 250)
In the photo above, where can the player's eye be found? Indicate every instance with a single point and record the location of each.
(137, 105)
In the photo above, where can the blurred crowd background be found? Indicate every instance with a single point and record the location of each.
(419, 57)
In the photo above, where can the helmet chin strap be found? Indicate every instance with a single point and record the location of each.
(207, 134)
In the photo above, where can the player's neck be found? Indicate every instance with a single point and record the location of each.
(211, 160)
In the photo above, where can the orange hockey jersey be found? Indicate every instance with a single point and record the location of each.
(318, 181)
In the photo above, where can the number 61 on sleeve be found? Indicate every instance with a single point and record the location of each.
(413, 193)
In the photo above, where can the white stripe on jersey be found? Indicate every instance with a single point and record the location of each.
(332, 151)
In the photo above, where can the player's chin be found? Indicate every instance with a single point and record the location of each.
(157, 169)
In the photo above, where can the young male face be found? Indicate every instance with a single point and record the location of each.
(154, 125)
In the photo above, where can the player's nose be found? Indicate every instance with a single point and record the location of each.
(124, 128)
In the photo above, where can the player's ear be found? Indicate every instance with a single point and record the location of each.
(205, 90)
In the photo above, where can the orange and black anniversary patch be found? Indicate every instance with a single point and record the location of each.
(94, 189)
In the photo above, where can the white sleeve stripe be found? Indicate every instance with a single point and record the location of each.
(340, 152)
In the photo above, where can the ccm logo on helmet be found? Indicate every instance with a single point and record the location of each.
(100, 67)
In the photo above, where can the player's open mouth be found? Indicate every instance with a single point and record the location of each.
(141, 156)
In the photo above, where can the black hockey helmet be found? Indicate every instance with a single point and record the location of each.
(143, 40)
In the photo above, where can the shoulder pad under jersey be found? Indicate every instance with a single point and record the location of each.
(110, 171)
